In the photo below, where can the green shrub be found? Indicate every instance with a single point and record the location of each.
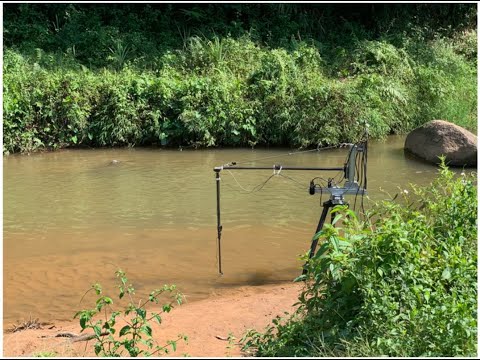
(401, 283)
(465, 44)
(135, 336)
(222, 91)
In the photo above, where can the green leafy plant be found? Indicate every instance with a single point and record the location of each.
(136, 334)
(231, 344)
(119, 54)
(143, 80)
(401, 283)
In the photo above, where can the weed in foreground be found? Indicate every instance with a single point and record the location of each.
(136, 336)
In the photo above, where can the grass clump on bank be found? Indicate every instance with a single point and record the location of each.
(403, 283)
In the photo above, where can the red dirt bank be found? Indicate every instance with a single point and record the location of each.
(207, 323)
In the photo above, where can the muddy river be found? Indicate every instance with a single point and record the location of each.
(72, 217)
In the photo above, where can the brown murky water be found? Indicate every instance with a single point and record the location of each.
(71, 219)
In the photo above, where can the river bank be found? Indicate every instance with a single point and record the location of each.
(297, 87)
(207, 323)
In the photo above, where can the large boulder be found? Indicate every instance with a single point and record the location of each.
(439, 137)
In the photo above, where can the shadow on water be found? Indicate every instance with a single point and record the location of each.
(414, 158)
(258, 278)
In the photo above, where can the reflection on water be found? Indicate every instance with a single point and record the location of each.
(72, 217)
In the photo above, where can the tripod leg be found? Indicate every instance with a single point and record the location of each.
(323, 217)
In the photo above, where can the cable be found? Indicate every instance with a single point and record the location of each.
(339, 173)
(255, 188)
(275, 156)
(318, 177)
(260, 186)
(294, 153)
(292, 179)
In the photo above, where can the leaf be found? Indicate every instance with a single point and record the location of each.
(322, 249)
(427, 295)
(300, 278)
(98, 288)
(146, 329)
(179, 299)
(107, 300)
(124, 330)
(148, 342)
(336, 219)
(98, 348)
(157, 318)
(104, 300)
(78, 313)
(446, 274)
(83, 322)
(97, 330)
(141, 312)
(317, 235)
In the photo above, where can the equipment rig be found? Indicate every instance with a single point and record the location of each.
(354, 185)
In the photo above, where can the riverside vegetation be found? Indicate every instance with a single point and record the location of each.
(232, 75)
(401, 283)
(136, 335)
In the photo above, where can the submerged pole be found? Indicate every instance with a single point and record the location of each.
(219, 225)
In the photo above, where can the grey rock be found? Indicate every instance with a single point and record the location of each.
(439, 137)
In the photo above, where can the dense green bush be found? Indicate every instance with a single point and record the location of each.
(74, 75)
(94, 33)
(401, 283)
(234, 92)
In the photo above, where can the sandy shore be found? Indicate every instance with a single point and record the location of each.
(207, 323)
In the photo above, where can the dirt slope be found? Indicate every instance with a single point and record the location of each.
(207, 323)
